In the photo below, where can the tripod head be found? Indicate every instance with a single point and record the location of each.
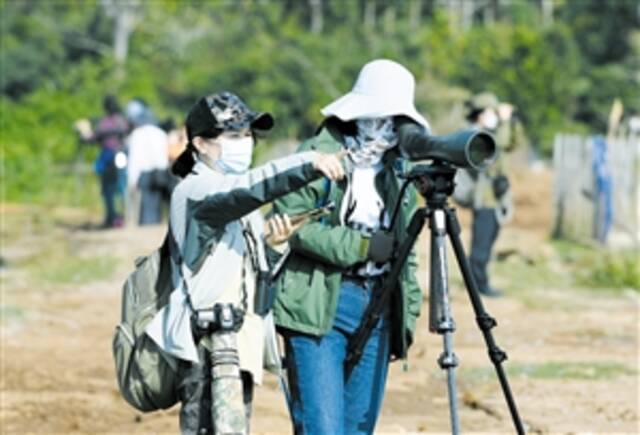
(434, 182)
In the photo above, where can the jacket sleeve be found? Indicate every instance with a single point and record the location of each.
(412, 290)
(241, 194)
(333, 244)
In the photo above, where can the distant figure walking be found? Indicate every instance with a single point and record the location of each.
(147, 170)
(109, 132)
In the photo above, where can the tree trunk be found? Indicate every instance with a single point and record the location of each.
(389, 18)
(317, 20)
(491, 11)
(415, 14)
(121, 33)
(467, 10)
(547, 12)
(454, 12)
(124, 14)
(370, 14)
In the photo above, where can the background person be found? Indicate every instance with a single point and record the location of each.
(147, 168)
(488, 192)
(109, 133)
(218, 233)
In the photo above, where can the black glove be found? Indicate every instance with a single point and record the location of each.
(500, 185)
(381, 246)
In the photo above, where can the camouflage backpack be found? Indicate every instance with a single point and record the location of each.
(146, 376)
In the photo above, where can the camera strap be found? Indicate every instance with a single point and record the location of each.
(252, 251)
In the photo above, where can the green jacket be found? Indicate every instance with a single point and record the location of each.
(308, 288)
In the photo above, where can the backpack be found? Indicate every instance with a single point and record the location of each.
(147, 377)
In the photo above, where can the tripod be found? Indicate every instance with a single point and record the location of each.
(435, 183)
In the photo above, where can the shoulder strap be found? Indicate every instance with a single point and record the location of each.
(174, 250)
(328, 185)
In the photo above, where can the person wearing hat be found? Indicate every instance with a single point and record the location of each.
(488, 192)
(218, 234)
(336, 264)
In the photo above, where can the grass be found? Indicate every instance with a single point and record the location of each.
(557, 370)
(541, 301)
(75, 270)
(524, 275)
(11, 312)
(599, 268)
(49, 256)
(60, 263)
(571, 265)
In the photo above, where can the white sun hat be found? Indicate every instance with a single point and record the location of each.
(383, 88)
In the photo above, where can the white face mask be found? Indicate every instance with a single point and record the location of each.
(235, 155)
(489, 120)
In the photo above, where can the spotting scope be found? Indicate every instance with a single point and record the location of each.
(470, 148)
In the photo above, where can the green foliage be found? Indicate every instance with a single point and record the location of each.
(38, 134)
(601, 269)
(521, 64)
(58, 63)
(617, 270)
(603, 28)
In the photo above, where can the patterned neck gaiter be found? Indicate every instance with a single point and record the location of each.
(375, 136)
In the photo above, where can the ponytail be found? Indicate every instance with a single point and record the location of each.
(185, 162)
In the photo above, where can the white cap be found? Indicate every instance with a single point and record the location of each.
(383, 88)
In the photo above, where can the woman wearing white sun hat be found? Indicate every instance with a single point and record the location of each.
(336, 264)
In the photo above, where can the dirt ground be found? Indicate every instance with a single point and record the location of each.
(573, 353)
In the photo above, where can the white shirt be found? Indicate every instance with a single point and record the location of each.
(148, 150)
(368, 203)
(364, 207)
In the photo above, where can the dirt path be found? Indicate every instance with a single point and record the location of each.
(573, 353)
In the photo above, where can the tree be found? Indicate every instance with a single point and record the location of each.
(316, 16)
(125, 15)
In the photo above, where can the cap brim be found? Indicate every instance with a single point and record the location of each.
(262, 121)
(355, 106)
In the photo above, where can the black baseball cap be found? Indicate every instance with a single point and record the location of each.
(224, 111)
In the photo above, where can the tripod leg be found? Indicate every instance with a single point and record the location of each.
(484, 320)
(440, 319)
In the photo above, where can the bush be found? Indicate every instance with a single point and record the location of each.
(616, 270)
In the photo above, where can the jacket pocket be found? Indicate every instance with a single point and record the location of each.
(302, 296)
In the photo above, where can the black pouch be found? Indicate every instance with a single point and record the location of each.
(265, 294)
(500, 185)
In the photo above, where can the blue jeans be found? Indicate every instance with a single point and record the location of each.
(485, 230)
(323, 401)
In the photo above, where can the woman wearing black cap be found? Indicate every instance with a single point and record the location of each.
(219, 234)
